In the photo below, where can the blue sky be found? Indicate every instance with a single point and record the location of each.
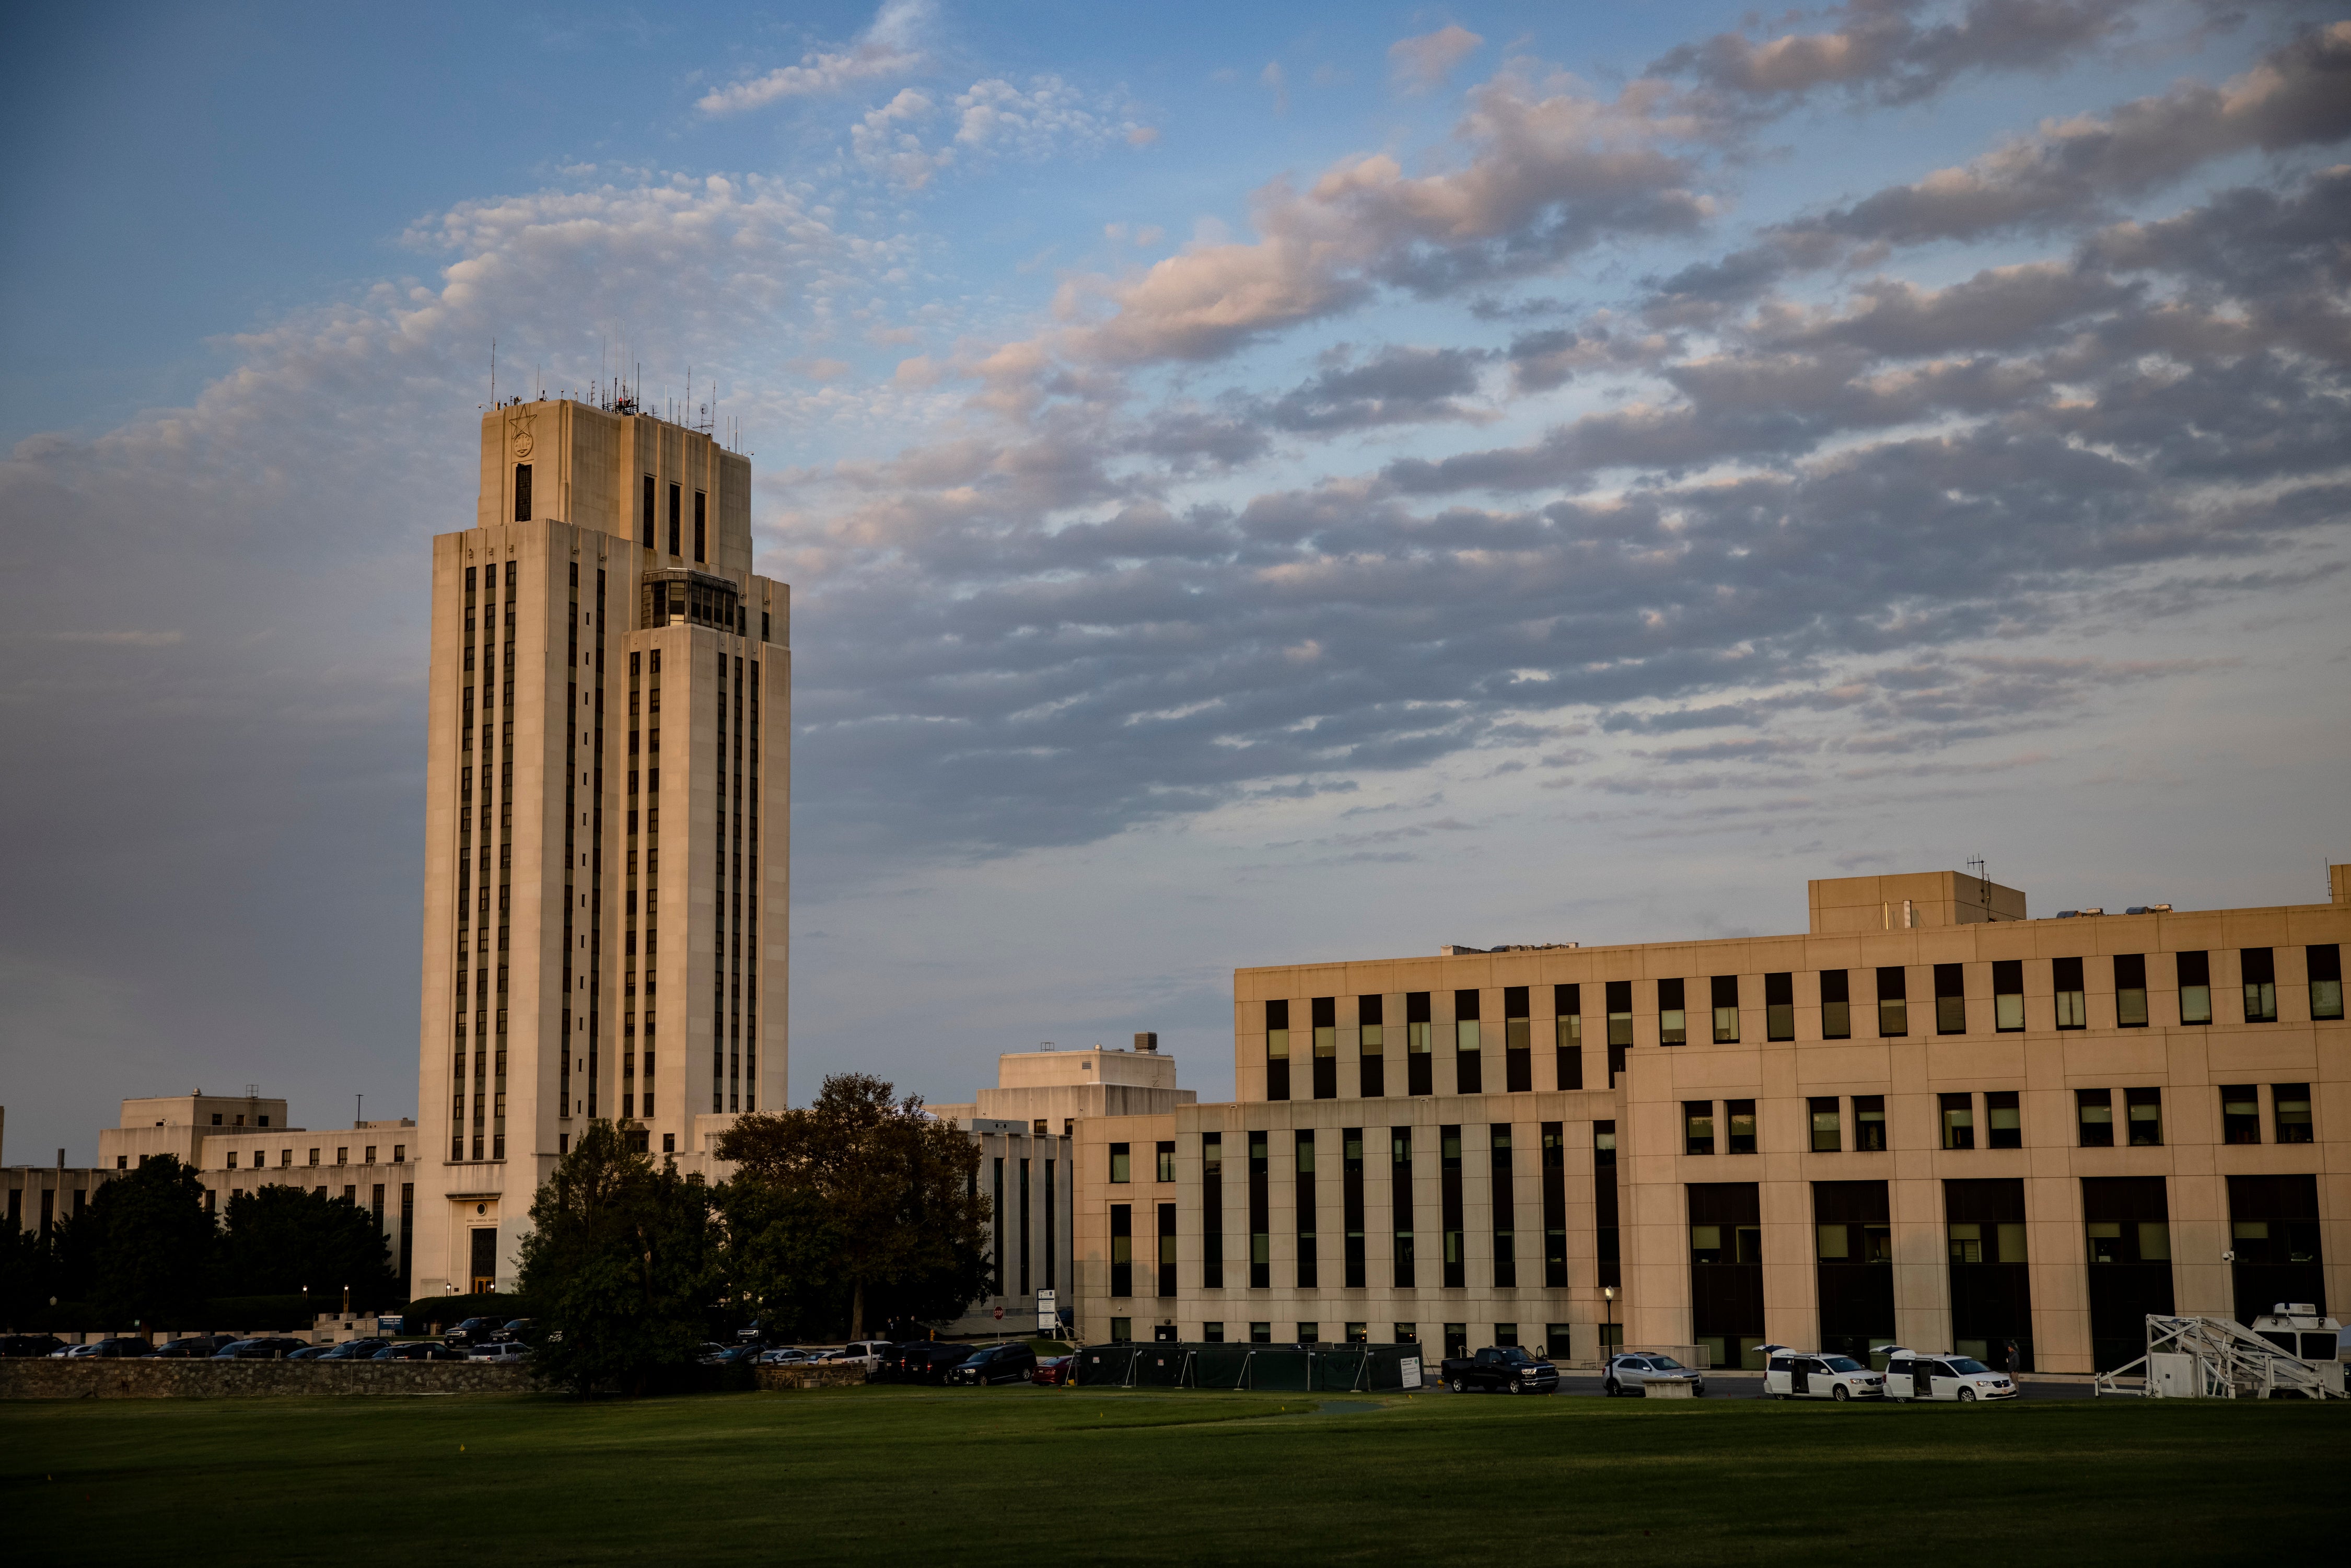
(1259, 484)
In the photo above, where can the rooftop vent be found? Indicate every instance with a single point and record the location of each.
(1458, 950)
(2067, 914)
(2149, 909)
(1146, 1040)
(2092, 909)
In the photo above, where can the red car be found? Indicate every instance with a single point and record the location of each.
(1051, 1371)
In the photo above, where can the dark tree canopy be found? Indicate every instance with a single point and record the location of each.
(147, 1245)
(28, 1275)
(621, 1264)
(282, 1239)
(907, 1234)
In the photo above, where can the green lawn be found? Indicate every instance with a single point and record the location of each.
(1028, 1476)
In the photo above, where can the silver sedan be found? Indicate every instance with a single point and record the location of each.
(1631, 1374)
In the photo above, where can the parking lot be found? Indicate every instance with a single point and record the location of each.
(1749, 1385)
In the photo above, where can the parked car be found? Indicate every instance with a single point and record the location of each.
(419, 1350)
(310, 1353)
(116, 1348)
(474, 1330)
(1802, 1375)
(516, 1330)
(196, 1346)
(263, 1347)
(994, 1363)
(1917, 1375)
(1628, 1374)
(21, 1345)
(729, 1354)
(1501, 1369)
(924, 1361)
(354, 1350)
(506, 1352)
(867, 1353)
(1051, 1371)
(74, 1352)
(784, 1356)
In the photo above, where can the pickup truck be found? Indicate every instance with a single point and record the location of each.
(1506, 1369)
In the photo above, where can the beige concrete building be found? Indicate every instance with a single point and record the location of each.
(607, 818)
(1052, 1088)
(1928, 1120)
(238, 1144)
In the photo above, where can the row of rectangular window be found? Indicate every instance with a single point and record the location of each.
(1554, 1343)
(285, 1157)
(2257, 968)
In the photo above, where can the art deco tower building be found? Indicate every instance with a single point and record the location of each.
(607, 819)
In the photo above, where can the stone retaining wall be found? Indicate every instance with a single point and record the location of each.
(818, 1374)
(155, 1378)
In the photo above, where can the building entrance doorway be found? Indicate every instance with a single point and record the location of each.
(484, 1269)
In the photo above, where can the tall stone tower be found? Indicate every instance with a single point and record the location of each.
(608, 819)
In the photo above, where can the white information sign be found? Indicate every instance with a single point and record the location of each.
(1411, 1367)
(1049, 1316)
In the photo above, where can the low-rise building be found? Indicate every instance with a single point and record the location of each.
(1927, 1119)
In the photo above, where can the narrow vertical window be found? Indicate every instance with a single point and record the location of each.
(1837, 1005)
(2325, 980)
(2258, 969)
(1725, 988)
(2131, 990)
(1261, 1215)
(1400, 1202)
(699, 501)
(522, 493)
(1698, 1126)
(1950, 999)
(2072, 1008)
(645, 518)
(2241, 1113)
(1619, 1004)
(1326, 1047)
(1958, 1117)
(1371, 1013)
(2008, 995)
(1212, 1211)
(675, 501)
(1449, 1200)
(1554, 1202)
(1739, 1126)
(1605, 1213)
(1303, 1207)
(1167, 1160)
(1778, 1006)
(2003, 1120)
(2195, 987)
(1121, 1163)
(1166, 1249)
(1518, 1041)
(1467, 1074)
(1828, 1132)
(1351, 1202)
(1277, 1050)
(1673, 1017)
(2094, 1112)
(1122, 1250)
(1506, 1249)
(1892, 1003)
(1869, 1123)
(1420, 1076)
(2291, 1105)
(2145, 1108)
(1567, 1032)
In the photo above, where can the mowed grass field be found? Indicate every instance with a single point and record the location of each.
(1028, 1476)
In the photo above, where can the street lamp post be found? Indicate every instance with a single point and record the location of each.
(1608, 1296)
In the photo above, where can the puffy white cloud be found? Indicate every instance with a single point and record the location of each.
(890, 47)
(1421, 64)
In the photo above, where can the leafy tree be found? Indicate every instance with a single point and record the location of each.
(147, 1245)
(909, 1239)
(28, 1275)
(280, 1239)
(783, 1245)
(620, 1266)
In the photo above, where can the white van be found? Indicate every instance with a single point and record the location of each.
(1812, 1374)
(1918, 1374)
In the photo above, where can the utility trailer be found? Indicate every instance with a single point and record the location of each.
(2220, 1358)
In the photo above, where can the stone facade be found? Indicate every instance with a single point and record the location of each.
(156, 1378)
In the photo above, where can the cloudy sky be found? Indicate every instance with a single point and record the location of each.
(1260, 482)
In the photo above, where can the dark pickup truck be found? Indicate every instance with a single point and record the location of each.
(1504, 1370)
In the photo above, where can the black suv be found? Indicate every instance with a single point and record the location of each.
(195, 1346)
(30, 1344)
(475, 1331)
(996, 1364)
(924, 1361)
